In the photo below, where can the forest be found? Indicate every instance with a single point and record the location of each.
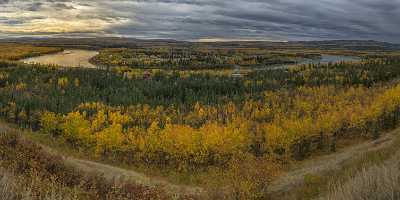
(196, 58)
(203, 119)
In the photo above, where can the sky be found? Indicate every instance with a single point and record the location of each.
(204, 20)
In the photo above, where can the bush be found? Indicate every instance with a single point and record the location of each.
(246, 178)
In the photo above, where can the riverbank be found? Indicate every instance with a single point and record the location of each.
(66, 58)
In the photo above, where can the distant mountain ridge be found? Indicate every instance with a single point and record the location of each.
(352, 44)
(115, 42)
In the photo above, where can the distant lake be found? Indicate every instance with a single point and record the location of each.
(67, 58)
(331, 59)
(323, 60)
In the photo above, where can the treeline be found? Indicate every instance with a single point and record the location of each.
(204, 119)
(285, 123)
(194, 58)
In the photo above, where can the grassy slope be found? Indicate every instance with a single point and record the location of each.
(344, 170)
(378, 181)
(31, 171)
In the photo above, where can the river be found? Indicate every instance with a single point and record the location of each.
(331, 59)
(67, 58)
(80, 58)
(325, 58)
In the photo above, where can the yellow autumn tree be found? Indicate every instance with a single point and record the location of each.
(50, 123)
(110, 140)
(77, 129)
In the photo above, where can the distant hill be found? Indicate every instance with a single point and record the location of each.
(114, 42)
(93, 43)
(351, 45)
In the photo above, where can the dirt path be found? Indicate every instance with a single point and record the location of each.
(295, 177)
(111, 172)
(116, 173)
(285, 183)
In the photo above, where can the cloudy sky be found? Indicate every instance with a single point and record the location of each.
(204, 20)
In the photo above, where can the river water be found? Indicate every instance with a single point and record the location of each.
(323, 60)
(67, 58)
(331, 59)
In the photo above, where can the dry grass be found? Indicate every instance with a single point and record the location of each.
(377, 179)
(311, 174)
(29, 172)
(7, 186)
(318, 184)
(20, 188)
(379, 182)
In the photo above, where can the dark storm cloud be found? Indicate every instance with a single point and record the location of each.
(276, 20)
(229, 19)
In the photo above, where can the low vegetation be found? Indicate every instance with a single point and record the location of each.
(14, 187)
(19, 51)
(373, 182)
(29, 172)
(375, 175)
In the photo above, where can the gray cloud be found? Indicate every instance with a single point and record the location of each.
(213, 19)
